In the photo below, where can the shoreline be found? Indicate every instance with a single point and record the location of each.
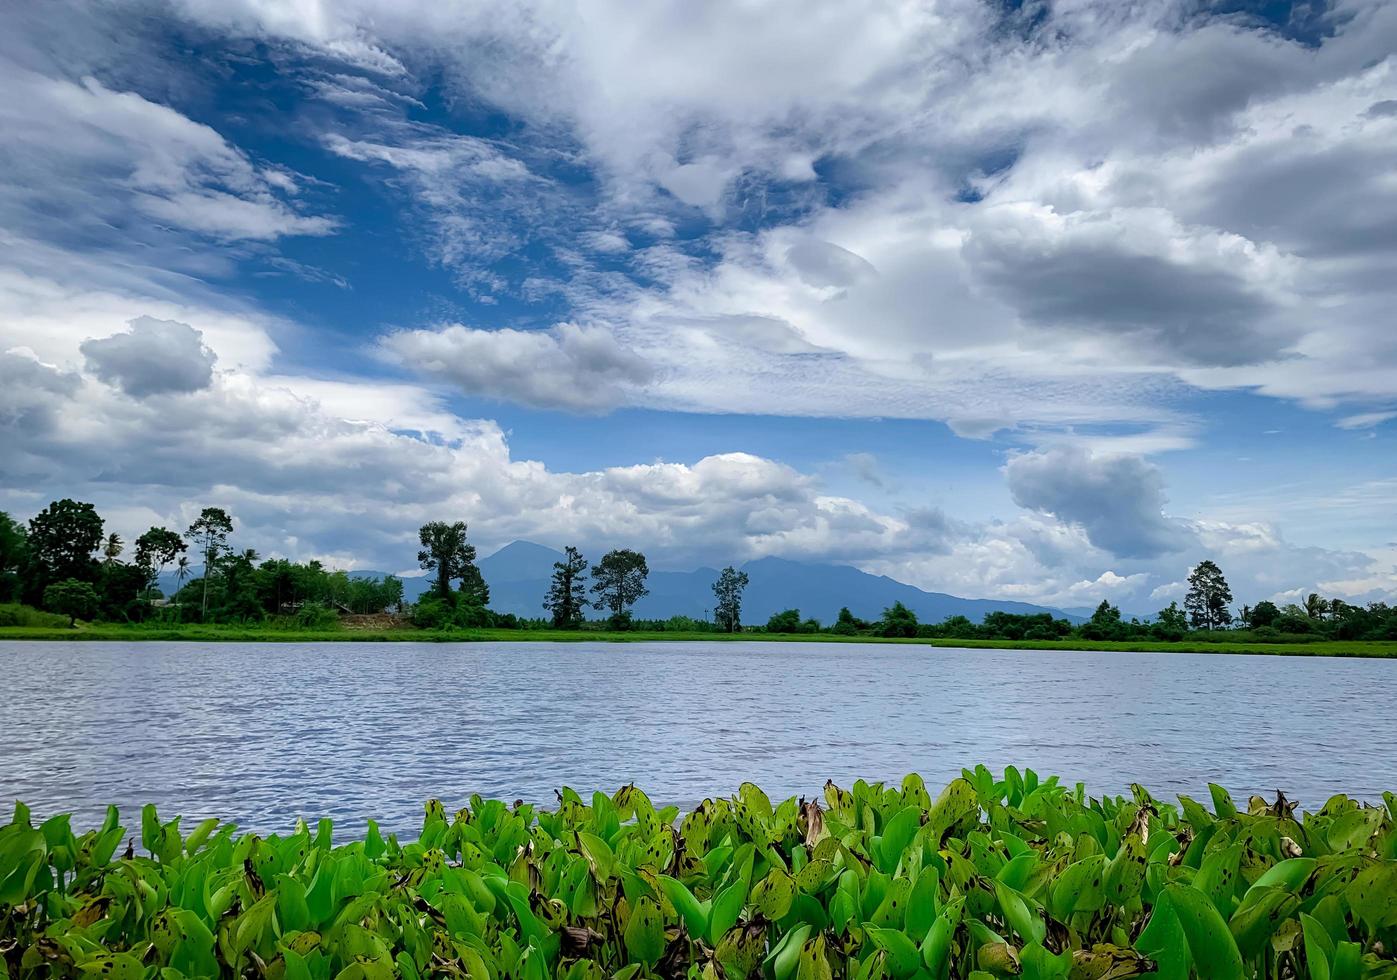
(1358, 649)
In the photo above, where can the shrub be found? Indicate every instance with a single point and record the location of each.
(14, 614)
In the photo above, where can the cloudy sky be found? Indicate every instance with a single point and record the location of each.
(1044, 301)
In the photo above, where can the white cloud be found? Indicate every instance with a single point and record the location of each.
(581, 368)
(79, 154)
(153, 357)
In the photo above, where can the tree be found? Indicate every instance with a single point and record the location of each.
(210, 533)
(1208, 597)
(112, 548)
(786, 621)
(1264, 613)
(1315, 607)
(898, 620)
(72, 598)
(1106, 614)
(728, 590)
(182, 572)
(1172, 619)
(14, 554)
(62, 539)
(567, 593)
(155, 549)
(474, 589)
(618, 581)
(446, 551)
(846, 624)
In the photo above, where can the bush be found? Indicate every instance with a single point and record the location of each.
(14, 614)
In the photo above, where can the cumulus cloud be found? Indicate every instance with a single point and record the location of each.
(581, 368)
(1117, 499)
(154, 357)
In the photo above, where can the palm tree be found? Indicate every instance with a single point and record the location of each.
(1315, 607)
(182, 572)
(111, 548)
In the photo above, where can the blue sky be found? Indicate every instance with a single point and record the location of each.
(1043, 301)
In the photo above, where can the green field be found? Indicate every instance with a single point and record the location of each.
(262, 634)
(995, 877)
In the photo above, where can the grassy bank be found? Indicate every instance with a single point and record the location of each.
(254, 634)
(996, 877)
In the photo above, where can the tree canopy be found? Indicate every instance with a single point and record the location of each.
(727, 613)
(567, 592)
(618, 581)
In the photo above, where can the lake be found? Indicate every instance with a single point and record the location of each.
(262, 733)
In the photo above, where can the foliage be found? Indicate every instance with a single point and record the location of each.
(1208, 597)
(14, 556)
(14, 614)
(618, 582)
(1011, 876)
(898, 620)
(789, 621)
(567, 593)
(446, 552)
(61, 540)
(209, 532)
(155, 549)
(72, 598)
(728, 592)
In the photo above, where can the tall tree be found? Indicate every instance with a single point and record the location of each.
(446, 552)
(618, 581)
(209, 532)
(1208, 597)
(728, 591)
(14, 554)
(62, 539)
(1315, 607)
(112, 548)
(155, 549)
(567, 593)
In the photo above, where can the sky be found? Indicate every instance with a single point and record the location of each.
(1023, 300)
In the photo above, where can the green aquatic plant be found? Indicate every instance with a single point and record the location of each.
(995, 877)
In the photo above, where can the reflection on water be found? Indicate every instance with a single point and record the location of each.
(263, 733)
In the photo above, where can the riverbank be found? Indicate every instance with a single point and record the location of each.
(112, 632)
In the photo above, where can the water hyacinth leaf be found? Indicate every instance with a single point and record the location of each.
(1164, 941)
(1255, 922)
(645, 933)
(692, 911)
(904, 958)
(897, 834)
(1373, 896)
(727, 906)
(774, 893)
(1015, 909)
(1209, 940)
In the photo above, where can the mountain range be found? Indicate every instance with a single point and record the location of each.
(518, 575)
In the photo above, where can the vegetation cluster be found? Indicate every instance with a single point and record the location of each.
(996, 877)
(64, 563)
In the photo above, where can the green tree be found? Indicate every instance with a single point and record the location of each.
(209, 532)
(446, 552)
(728, 591)
(898, 620)
(72, 598)
(155, 549)
(14, 555)
(1173, 619)
(846, 624)
(618, 581)
(1315, 607)
(1106, 614)
(474, 589)
(786, 621)
(567, 592)
(1264, 613)
(62, 539)
(1208, 597)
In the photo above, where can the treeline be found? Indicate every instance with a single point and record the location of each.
(65, 561)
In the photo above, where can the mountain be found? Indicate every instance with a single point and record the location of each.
(518, 576)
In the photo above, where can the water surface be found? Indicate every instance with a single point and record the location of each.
(263, 733)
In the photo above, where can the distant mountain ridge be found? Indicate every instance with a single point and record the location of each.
(518, 575)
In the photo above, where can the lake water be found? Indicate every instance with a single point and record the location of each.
(262, 733)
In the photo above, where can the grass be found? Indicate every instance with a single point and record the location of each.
(256, 634)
